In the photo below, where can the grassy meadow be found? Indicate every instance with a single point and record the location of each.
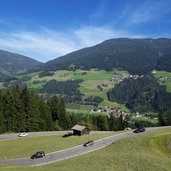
(23, 147)
(89, 86)
(142, 152)
(91, 79)
(162, 74)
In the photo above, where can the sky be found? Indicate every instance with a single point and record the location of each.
(47, 29)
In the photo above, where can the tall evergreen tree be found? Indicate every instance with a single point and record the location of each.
(8, 108)
(45, 121)
(62, 116)
(31, 110)
(102, 123)
(2, 125)
(18, 111)
(53, 104)
(162, 118)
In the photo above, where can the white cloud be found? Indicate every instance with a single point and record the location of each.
(40, 45)
(48, 44)
(89, 35)
(149, 11)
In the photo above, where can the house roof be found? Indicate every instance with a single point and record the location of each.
(78, 127)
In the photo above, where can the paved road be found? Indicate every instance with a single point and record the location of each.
(34, 134)
(71, 152)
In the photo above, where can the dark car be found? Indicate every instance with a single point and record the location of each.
(138, 130)
(67, 134)
(38, 154)
(88, 143)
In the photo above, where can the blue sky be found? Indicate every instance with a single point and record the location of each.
(46, 29)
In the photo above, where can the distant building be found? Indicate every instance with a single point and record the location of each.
(154, 72)
(80, 130)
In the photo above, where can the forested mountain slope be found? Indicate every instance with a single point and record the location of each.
(11, 63)
(138, 56)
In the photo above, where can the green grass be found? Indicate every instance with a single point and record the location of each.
(162, 74)
(1, 85)
(88, 87)
(142, 152)
(91, 80)
(167, 83)
(23, 147)
(112, 104)
(161, 144)
(75, 106)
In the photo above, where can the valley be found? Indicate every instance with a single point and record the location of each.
(94, 83)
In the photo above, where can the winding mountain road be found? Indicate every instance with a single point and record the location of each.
(70, 152)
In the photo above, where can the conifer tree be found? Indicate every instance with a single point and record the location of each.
(18, 111)
(45, 121)
(54, 107)
(31, 111)
(2, 125)
(8, 108)
(62, 116)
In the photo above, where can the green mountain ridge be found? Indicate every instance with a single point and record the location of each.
(12, 63)
(105, 75)
(137, 56)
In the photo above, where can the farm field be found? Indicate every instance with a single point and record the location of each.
(92, 80)
(163, 75)
(146, 151)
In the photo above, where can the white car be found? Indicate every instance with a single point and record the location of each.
(23, 135)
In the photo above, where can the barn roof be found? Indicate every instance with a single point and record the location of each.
(78, 127)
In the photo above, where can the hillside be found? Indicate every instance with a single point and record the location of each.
(110, 83)
(11, 63)
(137, 56)
(146, 151)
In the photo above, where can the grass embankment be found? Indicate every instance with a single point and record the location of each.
(145, 151)
(25, 147)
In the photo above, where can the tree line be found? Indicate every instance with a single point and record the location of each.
(137, 56)
(69, 90)
(142, 94)
(23, 110)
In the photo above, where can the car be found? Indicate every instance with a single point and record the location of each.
(23, 135)
(38, 154)
(67, 134)
(138, 130)
(88, 143)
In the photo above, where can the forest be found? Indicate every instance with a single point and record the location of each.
(23, 110)
(137, 56)
(142, 95)
(69, 90)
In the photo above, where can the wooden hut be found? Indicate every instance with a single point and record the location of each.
(80, 130)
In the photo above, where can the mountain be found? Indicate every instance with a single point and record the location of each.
(11, 63)
(138, 56)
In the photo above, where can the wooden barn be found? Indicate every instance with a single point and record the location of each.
(80, 130)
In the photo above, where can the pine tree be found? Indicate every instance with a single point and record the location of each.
(18, 112)
(25, 94)
(62, 116)
(8, 108)
(31, 111)
(102, 123)
(45, 122)
(2, 125)
(54, 107)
